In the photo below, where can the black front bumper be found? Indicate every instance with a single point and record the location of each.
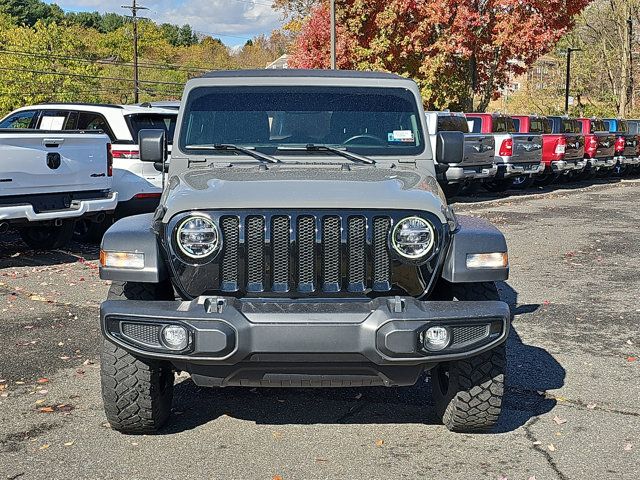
(245, 342)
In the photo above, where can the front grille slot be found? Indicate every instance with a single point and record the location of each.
(356, 245)
(331, 254)
(255, 254)
(305, 253)
(229, 266)
(280, 240)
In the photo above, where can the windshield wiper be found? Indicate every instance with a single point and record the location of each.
(235, 148)
(354, 157)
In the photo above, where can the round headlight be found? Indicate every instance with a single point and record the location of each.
(413, 238)
(198, 237)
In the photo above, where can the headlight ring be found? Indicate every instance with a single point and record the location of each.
(413, 239)
(198, 237)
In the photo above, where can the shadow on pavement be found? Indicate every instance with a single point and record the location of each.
(15, 254)
(530, 370)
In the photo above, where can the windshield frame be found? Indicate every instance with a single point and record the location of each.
(421, 150)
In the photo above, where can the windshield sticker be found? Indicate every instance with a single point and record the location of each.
(403, 136)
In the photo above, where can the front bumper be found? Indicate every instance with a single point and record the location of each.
(460, 173)
(78, 209)
(230, 332)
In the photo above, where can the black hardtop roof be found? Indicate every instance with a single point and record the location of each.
(292, 72)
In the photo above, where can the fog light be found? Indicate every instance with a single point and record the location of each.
(175, 337)
(436, 339)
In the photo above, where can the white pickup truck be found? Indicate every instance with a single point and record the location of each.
(51, 179)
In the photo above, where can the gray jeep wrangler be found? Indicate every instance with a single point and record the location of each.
(302, 241)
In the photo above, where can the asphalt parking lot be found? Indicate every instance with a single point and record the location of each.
(573, 387)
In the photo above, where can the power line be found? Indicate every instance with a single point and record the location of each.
(79, 75)
(145, 65)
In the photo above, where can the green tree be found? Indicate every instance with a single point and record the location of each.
(28, 12)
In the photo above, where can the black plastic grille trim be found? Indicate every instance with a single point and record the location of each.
(255, 254)
(280, 240)
(469, 334)
(143, 333)
(231, 240)
(357, 254)
(306, 254)
(331, 254)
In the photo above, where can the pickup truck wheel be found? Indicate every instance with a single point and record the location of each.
(137, 393)
(523, 181)
(468, 393)
(49, 237)
(499, 186)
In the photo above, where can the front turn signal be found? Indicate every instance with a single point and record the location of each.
(487, 260)
(122, 260)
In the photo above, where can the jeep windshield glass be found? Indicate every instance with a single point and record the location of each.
(366, 121)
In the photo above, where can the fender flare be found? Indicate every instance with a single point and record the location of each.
(474, 235)
(135, 234)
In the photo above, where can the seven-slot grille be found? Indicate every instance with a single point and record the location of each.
(305, 253)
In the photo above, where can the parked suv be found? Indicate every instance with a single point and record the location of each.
(478, 162)
(138, 184)
(517, 154)
(302, 241)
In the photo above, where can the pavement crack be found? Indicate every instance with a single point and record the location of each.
(547, 456)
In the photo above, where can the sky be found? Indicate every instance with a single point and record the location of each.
(233, 21)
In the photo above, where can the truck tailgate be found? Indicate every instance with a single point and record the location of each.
(527, 148)
(478, 149)
(575, 147)
(33, 162)
(606, 145)
(630, 145)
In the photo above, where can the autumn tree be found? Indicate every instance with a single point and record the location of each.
(459, 51)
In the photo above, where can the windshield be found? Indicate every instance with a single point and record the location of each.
(368, 121)
(141, 121)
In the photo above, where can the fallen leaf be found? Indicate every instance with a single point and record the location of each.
(87, 362)
(135, 444)
(277, 477)
(559, 421)
(106, 425)
(40, 402)
(632, 359)
(278, 435)
(46, 410)
(42, 380)
(68, 444)
(551, 447)
(379, 442)
(537, 442)
(321, 460)
(628, 447)
(42, 392)
(591, 406)
(37, 298)
(532, 477)
(3, 386)
(45, 446)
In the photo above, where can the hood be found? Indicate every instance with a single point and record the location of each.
(302, 187)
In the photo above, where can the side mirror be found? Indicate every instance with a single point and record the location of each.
(449, 147)
(153, 145)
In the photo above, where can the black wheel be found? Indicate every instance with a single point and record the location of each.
(546, 179)
(47, 237)
(498, 186)
(468, 393)
(523, 182)
(137, 392)
(452, 189)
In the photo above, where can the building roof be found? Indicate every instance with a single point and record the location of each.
(292, 72)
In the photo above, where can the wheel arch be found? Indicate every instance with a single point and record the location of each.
(135, 235)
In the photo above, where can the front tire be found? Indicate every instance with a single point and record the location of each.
(39, 237)
(137, 392)
(468, 393)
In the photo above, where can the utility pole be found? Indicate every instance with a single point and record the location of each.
(568, 83)
(134, 8)
(630, 91)
(333, 34)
